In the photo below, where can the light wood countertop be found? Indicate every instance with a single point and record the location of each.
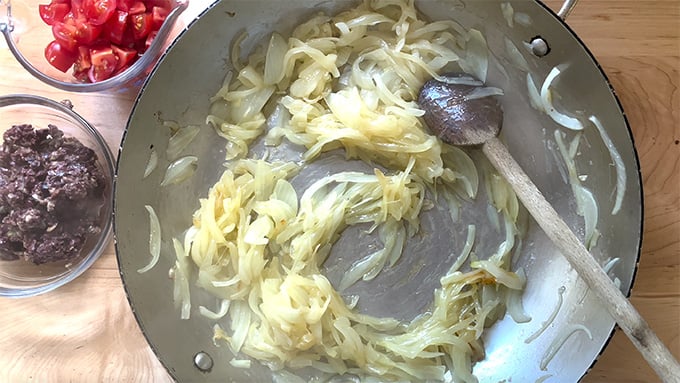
(85, 331)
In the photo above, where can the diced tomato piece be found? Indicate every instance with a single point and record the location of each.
(124, 5)
(128, 38)
(87, 33)
(115, 27)
(125, 56)
(137, 7)
(98, 12)
(159, 14)
(65, 34)
(78, 10)
(50, 13)
(61, 2)
(103, 63)
(83, 63)
(59, 57)
(167, 4)
(141, 25)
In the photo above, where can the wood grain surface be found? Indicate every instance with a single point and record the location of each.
(85, 331)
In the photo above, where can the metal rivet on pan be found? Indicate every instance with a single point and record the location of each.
(203, 361)
(539, 46)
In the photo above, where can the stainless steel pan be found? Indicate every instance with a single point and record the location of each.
(193, 70)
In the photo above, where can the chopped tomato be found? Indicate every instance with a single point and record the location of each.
(115, 27)
(59, 57)
(103, 64)
(158, 16)
(87, 33)
(125, 56)
(83, 63)
(132, 7)
(98, 12)
(50, 13)
(101, 38)
(136, 8)
(141, 25)
(65, 34)
(124, 5)
(78, 9)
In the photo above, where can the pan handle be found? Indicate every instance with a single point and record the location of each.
(566, 9)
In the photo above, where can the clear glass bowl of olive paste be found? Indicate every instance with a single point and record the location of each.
(56, 200)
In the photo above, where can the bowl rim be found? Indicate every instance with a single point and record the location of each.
(108, 168)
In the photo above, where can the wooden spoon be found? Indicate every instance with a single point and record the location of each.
(456, 113)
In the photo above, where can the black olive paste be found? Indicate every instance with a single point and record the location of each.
(51, 191)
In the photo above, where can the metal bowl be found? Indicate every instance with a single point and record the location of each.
(192, 71)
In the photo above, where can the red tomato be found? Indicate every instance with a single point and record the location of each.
(141, 25)
(53, 12)
(115, 27)
(87, 33)
(65, 34)
(78, 9)
(125, 57)
(59, 57)
(83, 63)
(158, 16)
(137, 7)
(103, 64)
(98, 12)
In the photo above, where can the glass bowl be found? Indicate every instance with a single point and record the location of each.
(27, 36)
(21, 277)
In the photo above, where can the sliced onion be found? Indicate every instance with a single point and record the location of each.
(464, 254)
(586, 205)
(240, 323)
(477, 59)
(172, 125)
(483, 92)
(462, 80)
(502, 276)
(284, 376)
(508, 13)
(223, 309)
(534, 96)
(514, 302)
(151, 164)
(546, 97)
(274, 64)
(515, 55)
(182, 271)
(618, 163)
(524, 20)
(610, 264)
(154, 239)
(551, 318)
(240, 363)
(557, 344)
(180, 140)
(180, 170)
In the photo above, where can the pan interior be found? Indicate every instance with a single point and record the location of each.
(192, 71)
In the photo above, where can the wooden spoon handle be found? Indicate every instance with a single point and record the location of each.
(627, 317)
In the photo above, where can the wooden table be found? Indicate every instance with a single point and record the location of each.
(85, 331)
